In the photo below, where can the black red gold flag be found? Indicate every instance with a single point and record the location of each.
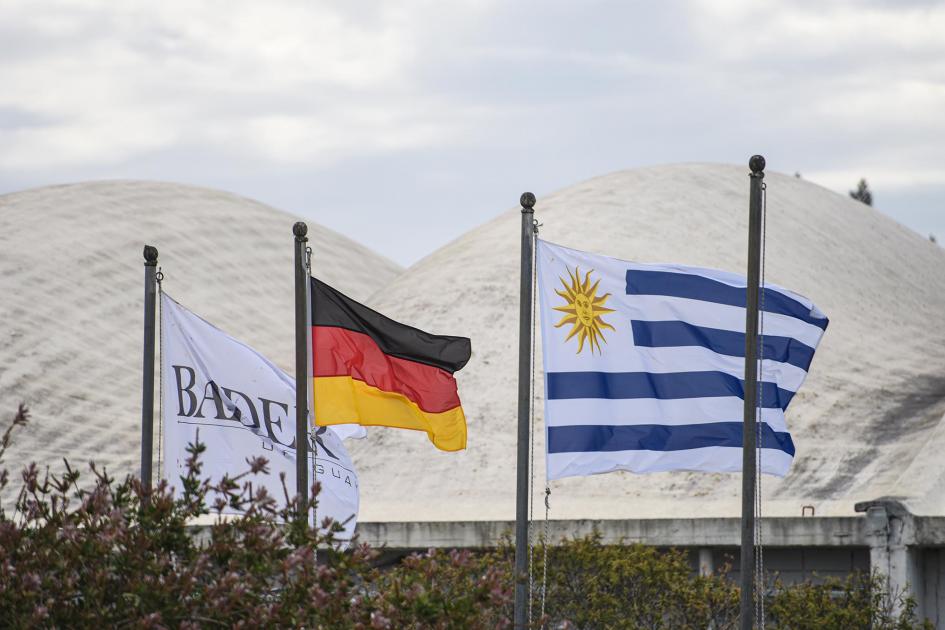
(373, 371)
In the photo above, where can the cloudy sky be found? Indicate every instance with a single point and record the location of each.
(403, 124)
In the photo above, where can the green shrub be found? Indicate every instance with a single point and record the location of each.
(633, 586)
(859, 601)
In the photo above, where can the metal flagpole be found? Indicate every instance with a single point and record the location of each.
(524, 371)
(147, 390)
(301, 371)
(746, 614)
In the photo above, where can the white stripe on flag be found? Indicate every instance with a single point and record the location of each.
(721, 316)
(708, 459)
(681, 359)
(635, 411)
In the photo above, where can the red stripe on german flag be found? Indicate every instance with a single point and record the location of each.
(341, 352)
(370, 370)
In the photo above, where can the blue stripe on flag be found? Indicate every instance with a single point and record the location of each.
(675, 334)
(658, 437)
(620, 385)
(687, 285)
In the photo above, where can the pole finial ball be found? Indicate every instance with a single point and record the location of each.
(756, 164)
(527, 200)
(150, 254)
(300, 229)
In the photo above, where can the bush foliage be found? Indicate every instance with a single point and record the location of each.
(102, 553)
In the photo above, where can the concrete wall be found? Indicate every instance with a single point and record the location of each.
(663, 532)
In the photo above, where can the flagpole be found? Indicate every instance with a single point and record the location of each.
(301, 371)
(147, 390)
(524, 372)
(749, 428)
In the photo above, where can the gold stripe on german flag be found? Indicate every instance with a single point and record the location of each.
(370, 370)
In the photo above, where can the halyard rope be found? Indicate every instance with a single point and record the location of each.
(160, 277)
(310, 419)
(544, 536)
(544, 549)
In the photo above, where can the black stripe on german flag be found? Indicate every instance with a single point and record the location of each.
(332, 308)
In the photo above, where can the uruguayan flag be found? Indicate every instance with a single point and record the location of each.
(644, 365)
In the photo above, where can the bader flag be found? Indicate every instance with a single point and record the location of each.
(243, 406)
(373, 371)
(644, 365)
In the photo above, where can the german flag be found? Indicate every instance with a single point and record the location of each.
(370, 370)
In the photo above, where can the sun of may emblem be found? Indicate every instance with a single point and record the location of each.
(583, 310)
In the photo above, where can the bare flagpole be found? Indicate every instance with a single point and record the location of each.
(301, 370)
(747, 565)
(524, 373)
(147, 390)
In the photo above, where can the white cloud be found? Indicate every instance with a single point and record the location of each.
(753, 31)
(292, 80)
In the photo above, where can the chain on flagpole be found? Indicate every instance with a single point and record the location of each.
(531, 483)
(160, 331)
(544, 537)
(531, 490)
(544, 550)
(311, 434)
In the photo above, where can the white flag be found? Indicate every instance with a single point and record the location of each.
(644, 365)
(243, 407)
